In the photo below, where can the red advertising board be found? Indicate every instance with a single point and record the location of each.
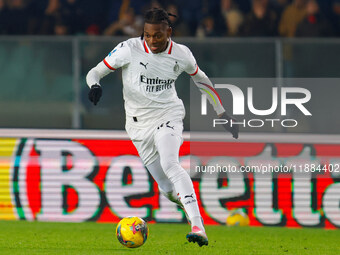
(104, 180)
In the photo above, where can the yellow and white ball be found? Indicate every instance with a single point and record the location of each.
(237, 218)
(132, 232)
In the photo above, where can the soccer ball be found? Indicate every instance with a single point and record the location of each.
(237, 218)
(132, 232)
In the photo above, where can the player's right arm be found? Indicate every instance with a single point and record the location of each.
(120, 56)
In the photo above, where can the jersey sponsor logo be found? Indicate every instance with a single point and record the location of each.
(156, 84)
(157, 88)
(155, 81)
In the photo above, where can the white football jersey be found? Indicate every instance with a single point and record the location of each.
(149, 79)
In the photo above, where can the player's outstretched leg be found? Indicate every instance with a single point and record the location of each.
(164, 185)
(168, 149)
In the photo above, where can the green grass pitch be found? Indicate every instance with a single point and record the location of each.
(21, 237)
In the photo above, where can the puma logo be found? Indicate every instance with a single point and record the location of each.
(167, 125)
(187, 196)
(143, 64)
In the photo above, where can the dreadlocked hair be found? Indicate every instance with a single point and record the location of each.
(157, 16)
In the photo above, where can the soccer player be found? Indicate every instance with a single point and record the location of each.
(154, 114)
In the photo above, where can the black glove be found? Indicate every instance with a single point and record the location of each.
(95, 93)
(234, 129)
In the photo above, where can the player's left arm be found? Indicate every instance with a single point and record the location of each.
(205, 85)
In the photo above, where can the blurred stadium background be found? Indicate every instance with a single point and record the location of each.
(63, 159)
(44, 76)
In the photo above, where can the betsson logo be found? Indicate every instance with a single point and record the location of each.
(239, 106)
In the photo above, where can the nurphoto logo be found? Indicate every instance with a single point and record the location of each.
(289, 97)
